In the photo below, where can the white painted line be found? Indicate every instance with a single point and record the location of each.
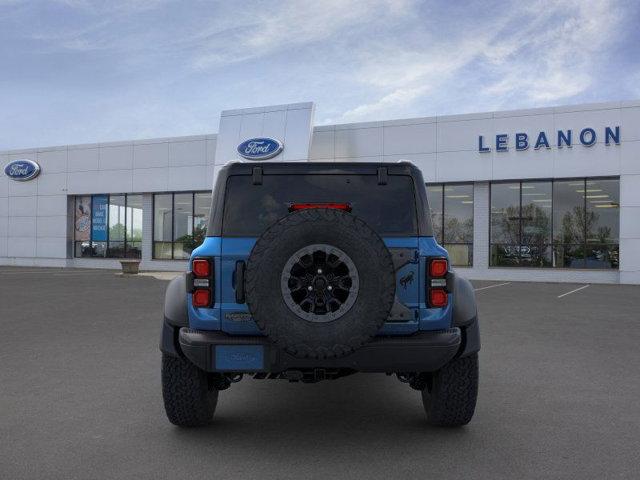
(573, 291)
(491, 286)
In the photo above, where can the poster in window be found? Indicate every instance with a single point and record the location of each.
(99, 218)
(83, 219)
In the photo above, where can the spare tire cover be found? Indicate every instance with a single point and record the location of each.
(320, 283)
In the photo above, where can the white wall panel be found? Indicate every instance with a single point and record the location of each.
(322, 145)
(463, 166)
(528, 163)
(21, 246)
(83, 159)
(463, 135)
(228, 138)
(4, 206)
(211, 150)
(188, 153)
(117, 157)
(52, 183)
(188, 178)
(22, 189)
(581, 161)
(358, 142)
(630, 191)
(150, 180)
(251, 125)
(297, 136)
(22, 227)
(115, 181)
(273, 125)
(630, 157)
(22, 206)
(630, 124)
(84, 182)
(408, 139)
(52, 161)
(51, 247)
(51, 205)
(151, 155)
(52, 226)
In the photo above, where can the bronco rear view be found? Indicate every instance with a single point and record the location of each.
(315, 271)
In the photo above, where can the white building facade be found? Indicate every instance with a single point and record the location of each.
(549, 194)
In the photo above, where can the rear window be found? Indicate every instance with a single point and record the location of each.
(389, 209)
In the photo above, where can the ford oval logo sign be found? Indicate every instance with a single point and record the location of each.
(260, 148)
(22, 170)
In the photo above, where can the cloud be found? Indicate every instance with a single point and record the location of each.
(261, 32)
(541, 53)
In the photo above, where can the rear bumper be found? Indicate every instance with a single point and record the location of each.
(218, 352)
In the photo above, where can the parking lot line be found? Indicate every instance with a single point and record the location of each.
(573, 291)
(491, 286)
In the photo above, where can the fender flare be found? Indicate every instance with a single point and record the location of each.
(175, 302)
(465, 313)
(464, 310)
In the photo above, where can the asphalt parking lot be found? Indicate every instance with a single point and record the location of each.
(80, 394)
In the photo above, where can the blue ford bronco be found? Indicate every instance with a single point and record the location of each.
(315, 271)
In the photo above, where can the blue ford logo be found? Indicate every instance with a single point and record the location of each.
(260, 148)
(22, 170)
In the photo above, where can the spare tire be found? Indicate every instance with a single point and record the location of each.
(320, 283)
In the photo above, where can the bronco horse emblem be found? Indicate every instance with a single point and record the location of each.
(407, 279)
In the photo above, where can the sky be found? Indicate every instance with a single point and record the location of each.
(77, 71)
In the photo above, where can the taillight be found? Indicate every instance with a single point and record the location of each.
(438, 267)
(202, 282)
(438, 298)
(201, 268)
(437, 295)
(201, 298)
(304, 206)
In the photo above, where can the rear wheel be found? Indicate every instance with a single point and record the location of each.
(449, 397)
(190, 396)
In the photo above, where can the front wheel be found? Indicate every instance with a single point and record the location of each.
(190, 396)
(450, 395)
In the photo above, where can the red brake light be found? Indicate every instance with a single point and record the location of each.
(303, 206)
(438, 297)
(201, 298)
(201, 268)
(438, 267)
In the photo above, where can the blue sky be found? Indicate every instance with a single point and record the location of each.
(76, 71)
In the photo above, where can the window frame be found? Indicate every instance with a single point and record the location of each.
(193, 194)
(553, 243)
(442, 213)
(107, 241)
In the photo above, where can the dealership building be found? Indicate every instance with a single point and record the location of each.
(548, 194)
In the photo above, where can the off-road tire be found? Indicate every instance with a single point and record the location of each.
(189, 395)
(450, 395)
(341, 336)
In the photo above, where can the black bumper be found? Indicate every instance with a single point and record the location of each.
(219, 352)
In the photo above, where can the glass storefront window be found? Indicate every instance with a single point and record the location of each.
(564, 223)
(180, 223)
(108, 226)
(451, 208)
(162, 225)
(434, 196)
(134, 226)
(505, 224)
(535, 227)
(117, 219)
